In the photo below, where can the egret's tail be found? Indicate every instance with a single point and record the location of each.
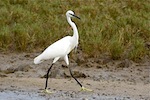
(37, 60)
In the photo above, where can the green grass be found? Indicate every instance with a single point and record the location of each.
(119, 28)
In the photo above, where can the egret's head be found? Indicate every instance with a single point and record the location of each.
(70, 13)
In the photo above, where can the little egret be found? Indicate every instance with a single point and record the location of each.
(61, 49)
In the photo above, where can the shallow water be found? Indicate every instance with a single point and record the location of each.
(15, 95)
(61, 95)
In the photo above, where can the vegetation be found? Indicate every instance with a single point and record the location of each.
(119, 28)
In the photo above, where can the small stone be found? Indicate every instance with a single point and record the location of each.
(9, 70)
(84, 99)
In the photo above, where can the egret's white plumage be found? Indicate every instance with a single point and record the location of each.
(61, 49)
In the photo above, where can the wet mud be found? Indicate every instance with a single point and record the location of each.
(20, 79)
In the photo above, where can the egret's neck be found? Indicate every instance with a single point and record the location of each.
(75, 31)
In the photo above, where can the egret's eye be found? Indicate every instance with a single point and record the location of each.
(71, 14)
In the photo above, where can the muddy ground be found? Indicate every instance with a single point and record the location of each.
(20, 79)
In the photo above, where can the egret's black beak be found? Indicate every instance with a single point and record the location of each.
(75, 16)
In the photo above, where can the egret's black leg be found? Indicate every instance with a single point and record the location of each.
(75, 78)
(47, 76)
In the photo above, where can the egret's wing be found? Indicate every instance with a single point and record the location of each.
(58, 49)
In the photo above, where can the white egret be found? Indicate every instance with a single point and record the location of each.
(61, 49)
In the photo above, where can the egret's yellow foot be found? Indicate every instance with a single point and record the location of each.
(47, 91)
(85, 89)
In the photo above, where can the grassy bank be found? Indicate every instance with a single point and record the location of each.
(120, 28)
